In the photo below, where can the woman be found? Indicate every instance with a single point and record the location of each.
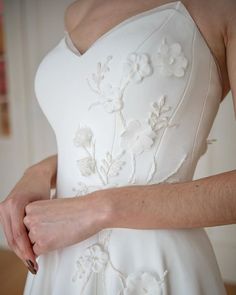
(131, 97)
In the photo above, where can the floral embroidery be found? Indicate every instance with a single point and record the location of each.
(83, 137)
(99, 76)
(136, 137)
(156, 119)
(170, 59)
(110, 166)
(112, 98)
(142, 283)
(86, 166)
(95, 259)
(137, 66)
(157, 122)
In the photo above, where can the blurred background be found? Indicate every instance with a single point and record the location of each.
(28, 30)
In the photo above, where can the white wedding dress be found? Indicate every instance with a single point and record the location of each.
(135, 108)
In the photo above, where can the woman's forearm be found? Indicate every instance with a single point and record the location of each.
(47, 167)
(205, 202)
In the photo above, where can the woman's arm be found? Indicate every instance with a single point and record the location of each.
(47, 167)
(209, 201)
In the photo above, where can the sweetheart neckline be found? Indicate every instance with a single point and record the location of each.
(175, 4)
(120, 24)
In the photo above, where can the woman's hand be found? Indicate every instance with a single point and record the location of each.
(33, 185)
(62, 222)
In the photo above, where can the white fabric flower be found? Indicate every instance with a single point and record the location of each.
(142, 283)
(112, 98)
(137, 66)
(83, 137)
(136, 137)
(86, 166)
(94, 259)
(97, 256)
(170, 59)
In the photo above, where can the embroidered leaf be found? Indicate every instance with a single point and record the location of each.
(166, 109)
(115, 168)
(99, 68)
(164, 119)
(160, 125)
(105, 163)
(103, 170)
(161, 101)
(109, 157)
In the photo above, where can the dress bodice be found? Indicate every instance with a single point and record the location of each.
(136, 107)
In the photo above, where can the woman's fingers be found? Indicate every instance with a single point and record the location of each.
(6, 225)
(16, 233)
(20, 236)
(24, 244)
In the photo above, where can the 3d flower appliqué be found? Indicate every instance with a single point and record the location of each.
(112, 98)
(170, 60)
(110, 167)
(83, 137)
(97, 257)
(143, 283)
(94, 259)
(86, 166)
(137, 137)
(137, 66)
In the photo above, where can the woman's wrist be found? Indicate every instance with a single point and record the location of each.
(47, 168)
(102, 207)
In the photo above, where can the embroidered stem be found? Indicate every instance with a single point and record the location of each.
(122, 119)
(85, 283)
(132, 179)
(120, 274)
(98, 172)
(153, 171)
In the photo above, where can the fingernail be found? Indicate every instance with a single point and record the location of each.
(31, 266)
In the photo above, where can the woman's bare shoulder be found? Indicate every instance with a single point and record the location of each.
(74, 13)
(217, 12)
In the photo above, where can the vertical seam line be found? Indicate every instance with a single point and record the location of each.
(202, 113)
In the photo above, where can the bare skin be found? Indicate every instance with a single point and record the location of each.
(206, 202)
